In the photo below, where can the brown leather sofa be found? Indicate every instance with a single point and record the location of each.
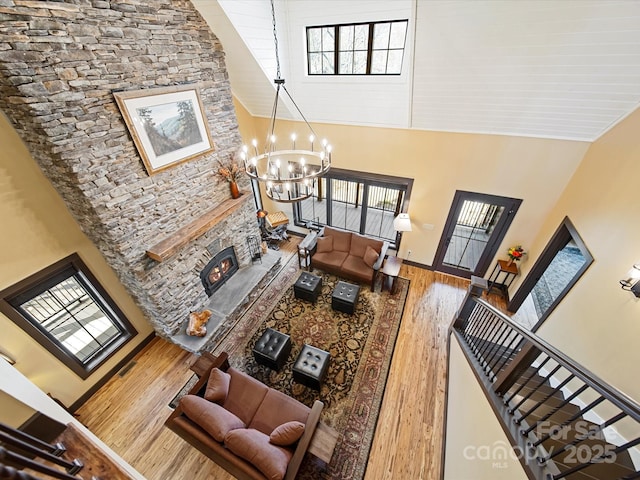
(349, 255)
(246, 422)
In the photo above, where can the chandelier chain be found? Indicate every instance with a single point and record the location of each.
(275, 38)
(289, 175)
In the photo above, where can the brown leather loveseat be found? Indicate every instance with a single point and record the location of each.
(349, 255)
(249, 429)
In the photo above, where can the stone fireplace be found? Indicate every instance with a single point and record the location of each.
(60, 63)
(219, 269)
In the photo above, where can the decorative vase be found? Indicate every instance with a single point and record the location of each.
(233, 186)
(509, 262)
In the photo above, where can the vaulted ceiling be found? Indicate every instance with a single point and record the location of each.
(566, 69)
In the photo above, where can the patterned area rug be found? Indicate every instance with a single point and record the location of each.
(361, 347)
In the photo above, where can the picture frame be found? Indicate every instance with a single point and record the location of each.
(167, 124)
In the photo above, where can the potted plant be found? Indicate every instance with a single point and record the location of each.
(231, 172)
(515, 254)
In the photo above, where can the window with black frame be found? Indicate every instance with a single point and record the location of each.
(372, 48)
(354, 201)
(66, 310)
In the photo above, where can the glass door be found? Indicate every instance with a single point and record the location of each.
(383, 204)
(346, 204)
(475, 228)
(561, 264)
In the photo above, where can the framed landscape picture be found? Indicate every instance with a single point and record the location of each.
(167, 124)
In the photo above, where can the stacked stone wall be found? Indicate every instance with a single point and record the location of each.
(60, 64)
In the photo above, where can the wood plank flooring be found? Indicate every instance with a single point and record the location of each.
(129, 411)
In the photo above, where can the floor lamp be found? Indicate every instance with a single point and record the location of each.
(402, 223)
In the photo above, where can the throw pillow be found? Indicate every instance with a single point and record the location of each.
(214, 419)
(254, 447)
(287, 433)
(325, 244)
(370, 256)
(217, 386)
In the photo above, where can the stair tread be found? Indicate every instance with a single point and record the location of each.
(545, 399)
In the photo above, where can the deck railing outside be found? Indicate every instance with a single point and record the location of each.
(346, 209)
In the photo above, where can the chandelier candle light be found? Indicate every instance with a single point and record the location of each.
(289, 175)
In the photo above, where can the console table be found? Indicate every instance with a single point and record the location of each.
(508, 272)
(390, 272)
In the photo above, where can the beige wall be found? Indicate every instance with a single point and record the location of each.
(12, 411)
(532, 169)
(598, 323)
(476, 447)
(38, 230)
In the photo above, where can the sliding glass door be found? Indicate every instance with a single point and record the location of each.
(358, 202)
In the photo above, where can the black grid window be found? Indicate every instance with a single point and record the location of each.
(67, 311)
(374, 48)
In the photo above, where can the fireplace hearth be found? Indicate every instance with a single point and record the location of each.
(219, 269)
(229, 303)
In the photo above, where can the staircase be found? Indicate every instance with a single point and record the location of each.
(562, 430)
(25, 457)
(565, 422)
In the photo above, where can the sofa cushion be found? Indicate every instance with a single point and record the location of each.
(214, 419)
(217, 386)
(324, 244)
(355, 267)
(329, 261)
(370, 256)
(255, 448)
(245, 395)
(341, 239)
(276, 409)
(287, 434)
(359, 244)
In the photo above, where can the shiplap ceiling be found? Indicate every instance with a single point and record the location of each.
(565, 69)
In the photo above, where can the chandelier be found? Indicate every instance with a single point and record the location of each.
(289, 175)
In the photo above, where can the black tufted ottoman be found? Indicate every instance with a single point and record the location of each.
(311, 366)
(272, 349)
(345, 297)
(307, 287)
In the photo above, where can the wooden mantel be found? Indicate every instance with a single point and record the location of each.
(170, 245)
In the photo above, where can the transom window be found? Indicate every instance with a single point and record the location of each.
(374, 48)
(364, 203)
(67, 311)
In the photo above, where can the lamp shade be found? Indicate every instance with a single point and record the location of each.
(632, 277)
(402, 223)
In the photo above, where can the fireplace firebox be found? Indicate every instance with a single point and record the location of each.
(219, 269)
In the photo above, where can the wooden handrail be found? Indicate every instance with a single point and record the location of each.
(615, 396)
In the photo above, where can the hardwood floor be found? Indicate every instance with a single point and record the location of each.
(129, 411)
